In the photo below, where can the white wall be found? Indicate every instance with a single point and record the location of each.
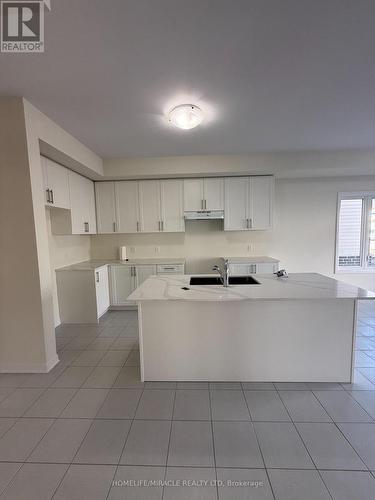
(27, 339)
(64, 251)
(303, 237)
(26, 336)
(281, 164)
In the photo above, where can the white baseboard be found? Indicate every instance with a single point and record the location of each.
(29, 367)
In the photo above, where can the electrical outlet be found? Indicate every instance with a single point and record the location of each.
(157, 249)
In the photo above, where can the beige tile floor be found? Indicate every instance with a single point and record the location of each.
(91, 430)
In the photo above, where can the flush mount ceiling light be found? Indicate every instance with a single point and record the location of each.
(186, 116)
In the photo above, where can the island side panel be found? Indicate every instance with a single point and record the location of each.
(277, 340)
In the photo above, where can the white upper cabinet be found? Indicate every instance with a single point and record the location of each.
(261, 202)
(82, 198)
(193, 194)
(81, 218)
(204, 194)
(213, 193)
(127, 206)
(236, 201)
(56, 184)
(105, 207)
(149, 206)
(248, 203)
(153, 206)
(172, 205)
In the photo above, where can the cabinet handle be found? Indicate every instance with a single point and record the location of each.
(86, 226)
(205, 204)
(134, 271)
(162, 225)
(202, 204)
(250, 223)
(97, 277)
(137, 226)
(114, 227)
(159, 225)
(52, 197)
(48, 198)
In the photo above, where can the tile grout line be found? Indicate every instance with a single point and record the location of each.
(169, 442)
(303, 442)
(258, 443)
(213, 441)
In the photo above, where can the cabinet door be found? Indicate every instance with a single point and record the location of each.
(102, 290)
(142, 273)
(121, 284)
(172, 210)
(260, 202)
(44, 161)
(267, 268)
(57, 181)
(105, 207)
(78, 197)
(127, 206)
(242, 269)
(193, 194)
(88, 196)
(214, 193)
(236, 202)
(149, 206)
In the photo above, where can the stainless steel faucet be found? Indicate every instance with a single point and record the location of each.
(224, 274)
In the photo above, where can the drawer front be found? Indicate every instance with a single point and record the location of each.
(170, 269)
(242, 269)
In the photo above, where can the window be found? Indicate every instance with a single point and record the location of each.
(355, 241)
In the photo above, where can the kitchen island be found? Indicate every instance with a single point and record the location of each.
(296, 329)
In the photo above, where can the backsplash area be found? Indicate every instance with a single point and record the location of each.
(201, 245)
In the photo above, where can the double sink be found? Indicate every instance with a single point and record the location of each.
(216, 280)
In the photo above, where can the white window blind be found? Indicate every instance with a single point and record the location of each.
(355, 246)
(350, 229)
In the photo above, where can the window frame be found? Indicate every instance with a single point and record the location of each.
(365, 232)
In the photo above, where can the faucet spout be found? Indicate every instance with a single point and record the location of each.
(224, 274)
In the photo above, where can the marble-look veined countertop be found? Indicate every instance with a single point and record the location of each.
(91, 265)
(299, 286)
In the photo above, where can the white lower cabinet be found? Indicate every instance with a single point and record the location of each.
(246, 268)
(125, 278)
(102, 290)
(83, 295)
(122, 283)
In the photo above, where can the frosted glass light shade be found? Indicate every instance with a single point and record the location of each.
(186, 116)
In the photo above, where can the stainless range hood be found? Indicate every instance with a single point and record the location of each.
(204, 214)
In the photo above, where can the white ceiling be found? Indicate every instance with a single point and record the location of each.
(270, 74)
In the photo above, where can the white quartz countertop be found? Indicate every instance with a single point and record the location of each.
(91, 265)
(298, 286)
(252, 258)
